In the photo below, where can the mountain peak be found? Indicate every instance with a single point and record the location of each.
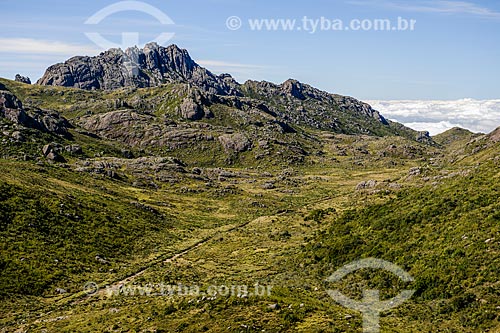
(154, 65)
(154, 46)
(293, 87)
(151, 66)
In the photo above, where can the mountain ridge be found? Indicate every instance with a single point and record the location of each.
(293, 102)
(151, 66)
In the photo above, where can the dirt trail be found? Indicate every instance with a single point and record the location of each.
(81, 298)
(191, 248)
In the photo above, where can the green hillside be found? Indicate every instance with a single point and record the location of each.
(125, 189)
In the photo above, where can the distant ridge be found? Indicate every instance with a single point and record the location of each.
(291, 102)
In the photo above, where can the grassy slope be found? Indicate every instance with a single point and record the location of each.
(446, 236)
(141, 239)
(55, 221)
(291, 237)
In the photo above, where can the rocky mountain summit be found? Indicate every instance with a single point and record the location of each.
(157, 101)
(149, 67)
(291, 103)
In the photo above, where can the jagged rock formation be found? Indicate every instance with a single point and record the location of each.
(22, 79)
(235, 142)
(12, 109)
(424, 137)
(289, 104)
(301, 104)
(149, 67)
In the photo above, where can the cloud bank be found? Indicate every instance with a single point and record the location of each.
(439, 116)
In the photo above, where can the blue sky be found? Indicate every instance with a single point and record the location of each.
(452, 53)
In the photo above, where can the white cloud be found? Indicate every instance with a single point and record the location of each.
(36, 46)
(439, 116)
(439, 6)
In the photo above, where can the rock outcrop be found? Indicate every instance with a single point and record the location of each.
(301, 104)
(190, 110)
(149, 67)
(22, 79)
(424, 137)
(293, 88)
(495, 135)
(12, 109)
(52, 152)
(235, 142)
